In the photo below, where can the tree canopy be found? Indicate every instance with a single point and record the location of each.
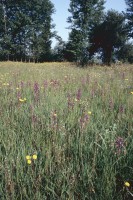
(25, 29)
(26, 32)
(130, 16)
(84, 15)
(109, 35)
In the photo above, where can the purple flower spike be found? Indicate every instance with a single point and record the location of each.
(111, 104)
(36, 91)
(78, 95)
(119, 145)
(36, 87)
(121, 109)
(22, 84)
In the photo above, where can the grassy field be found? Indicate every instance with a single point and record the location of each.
(66, 133)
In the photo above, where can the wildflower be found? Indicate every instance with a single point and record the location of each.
(127, 184)
(55, 115)
(78, 95)
(119, 145)
(89, 112)
(28, 157)
(34, 157)
(111, 104)
(126, 79)
(29, 161)
(36, 91)
(6, 84)
(121, 108)
(70, 102)
(131, 92)
(17, 88)
(84, 121)
(36, 88)
(22, 100)
(76, 99)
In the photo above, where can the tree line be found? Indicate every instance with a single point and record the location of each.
(27, 30)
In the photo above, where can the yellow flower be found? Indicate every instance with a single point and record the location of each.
(22, 100)
(127, 184)
(17, 88)
(89, 113)
(34, 157)
(28, 157)
(76, 99)
(131, 92)
(126, 79)
(5, 83)
(29, 162)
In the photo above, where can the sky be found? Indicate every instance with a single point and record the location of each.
(61, 15)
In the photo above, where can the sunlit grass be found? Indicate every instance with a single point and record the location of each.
(66, 132)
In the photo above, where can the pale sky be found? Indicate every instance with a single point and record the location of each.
(61, 14)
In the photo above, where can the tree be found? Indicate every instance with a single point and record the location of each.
(72, 50)
(27, 33)
(4, 36)
(109, 35)
(125, 53)
(84, 15)
(130, 16)
(58, 51)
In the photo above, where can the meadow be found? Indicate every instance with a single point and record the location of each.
(66, 133)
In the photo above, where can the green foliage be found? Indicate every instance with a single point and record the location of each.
(58, 51)
(130, 16)
(72, 50)
(109, 35)
(26, 29)
(85, 14)
(79, 124)
(125, 53)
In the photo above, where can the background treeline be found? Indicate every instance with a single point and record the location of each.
(26, 32)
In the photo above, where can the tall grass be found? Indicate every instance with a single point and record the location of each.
(79, 123)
